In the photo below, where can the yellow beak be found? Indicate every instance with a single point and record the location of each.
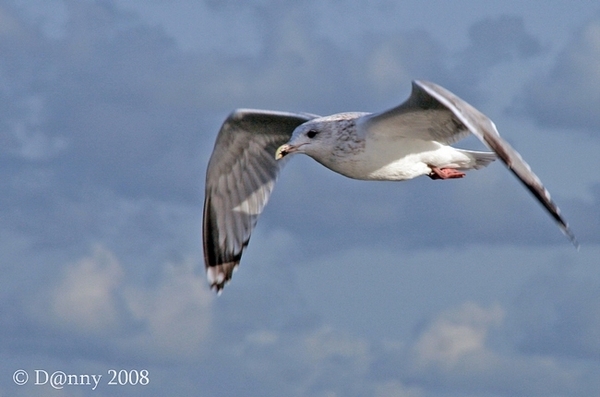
(283, 150)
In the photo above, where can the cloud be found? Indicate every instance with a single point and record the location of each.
(463, 351)
(556, 314)
(118, 112)
(176, 315)
(585, 216)
(568, 96)
(96, 308)
(493, 41)
(395, 388)
(456, 334)
(106, 127)
(85, 300)
(81, 101)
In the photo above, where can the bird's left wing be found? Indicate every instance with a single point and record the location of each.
(239, 179)
(484, 129)
(421, 116)
(433, 113)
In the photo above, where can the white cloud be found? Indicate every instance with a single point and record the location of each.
(457, 353)
(320, 361)
(93, 299)
(457, 334)
(176, 314)
(336, 361)
(326, 343)
(85, 300)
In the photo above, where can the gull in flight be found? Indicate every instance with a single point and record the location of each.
(402, 143)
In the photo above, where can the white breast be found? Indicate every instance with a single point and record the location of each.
(397, 159)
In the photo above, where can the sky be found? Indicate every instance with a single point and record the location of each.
(108, 114)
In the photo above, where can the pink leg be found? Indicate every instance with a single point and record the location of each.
(445, 173)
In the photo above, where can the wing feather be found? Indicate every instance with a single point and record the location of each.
(484, 129)
(240, 176)
(421, 116)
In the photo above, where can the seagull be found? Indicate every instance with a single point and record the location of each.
(410, 140)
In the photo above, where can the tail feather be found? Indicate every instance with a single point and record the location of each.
(481, 159)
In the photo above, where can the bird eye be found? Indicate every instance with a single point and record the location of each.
(312, 133)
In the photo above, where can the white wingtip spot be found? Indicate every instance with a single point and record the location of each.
(211, 275)
(218, 276)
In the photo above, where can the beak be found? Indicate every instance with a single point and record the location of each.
(284, 150)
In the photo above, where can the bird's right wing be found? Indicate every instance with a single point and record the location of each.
(239, 179)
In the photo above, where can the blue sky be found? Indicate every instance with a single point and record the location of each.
(108, 114)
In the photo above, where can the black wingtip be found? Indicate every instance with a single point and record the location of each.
(571, 236)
